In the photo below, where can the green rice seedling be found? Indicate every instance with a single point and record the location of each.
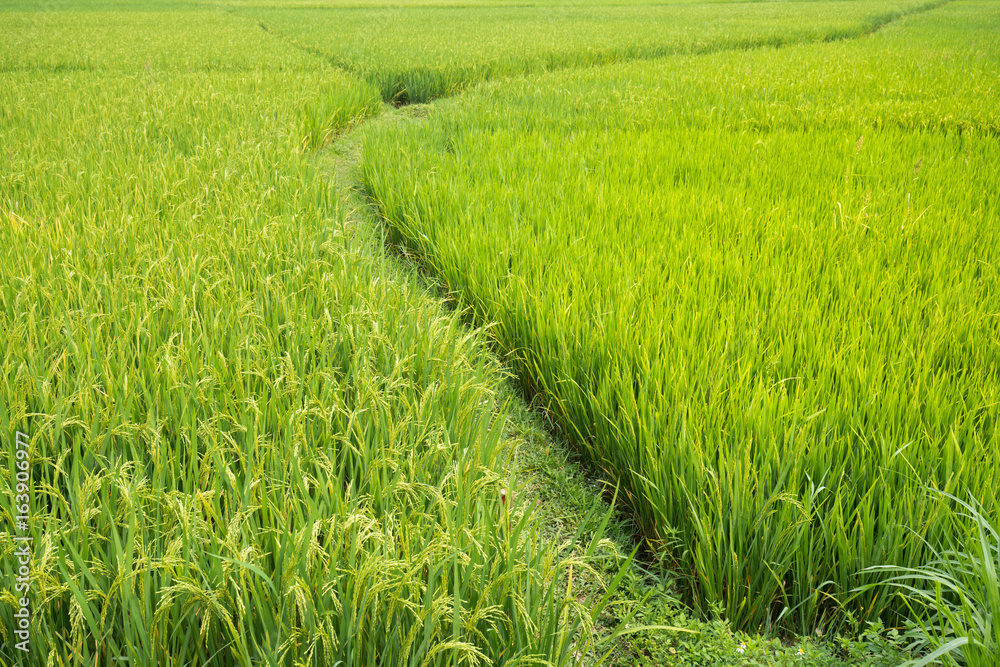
(760, 288)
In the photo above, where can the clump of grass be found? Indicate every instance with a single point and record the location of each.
(956, 595)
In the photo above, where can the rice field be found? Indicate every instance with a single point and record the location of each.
(416, 53)
(252, 437)
(743, 254)
(759, 287)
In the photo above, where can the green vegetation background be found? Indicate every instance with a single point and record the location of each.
(257, 438)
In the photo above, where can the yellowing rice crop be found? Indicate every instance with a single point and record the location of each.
(251, 437)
